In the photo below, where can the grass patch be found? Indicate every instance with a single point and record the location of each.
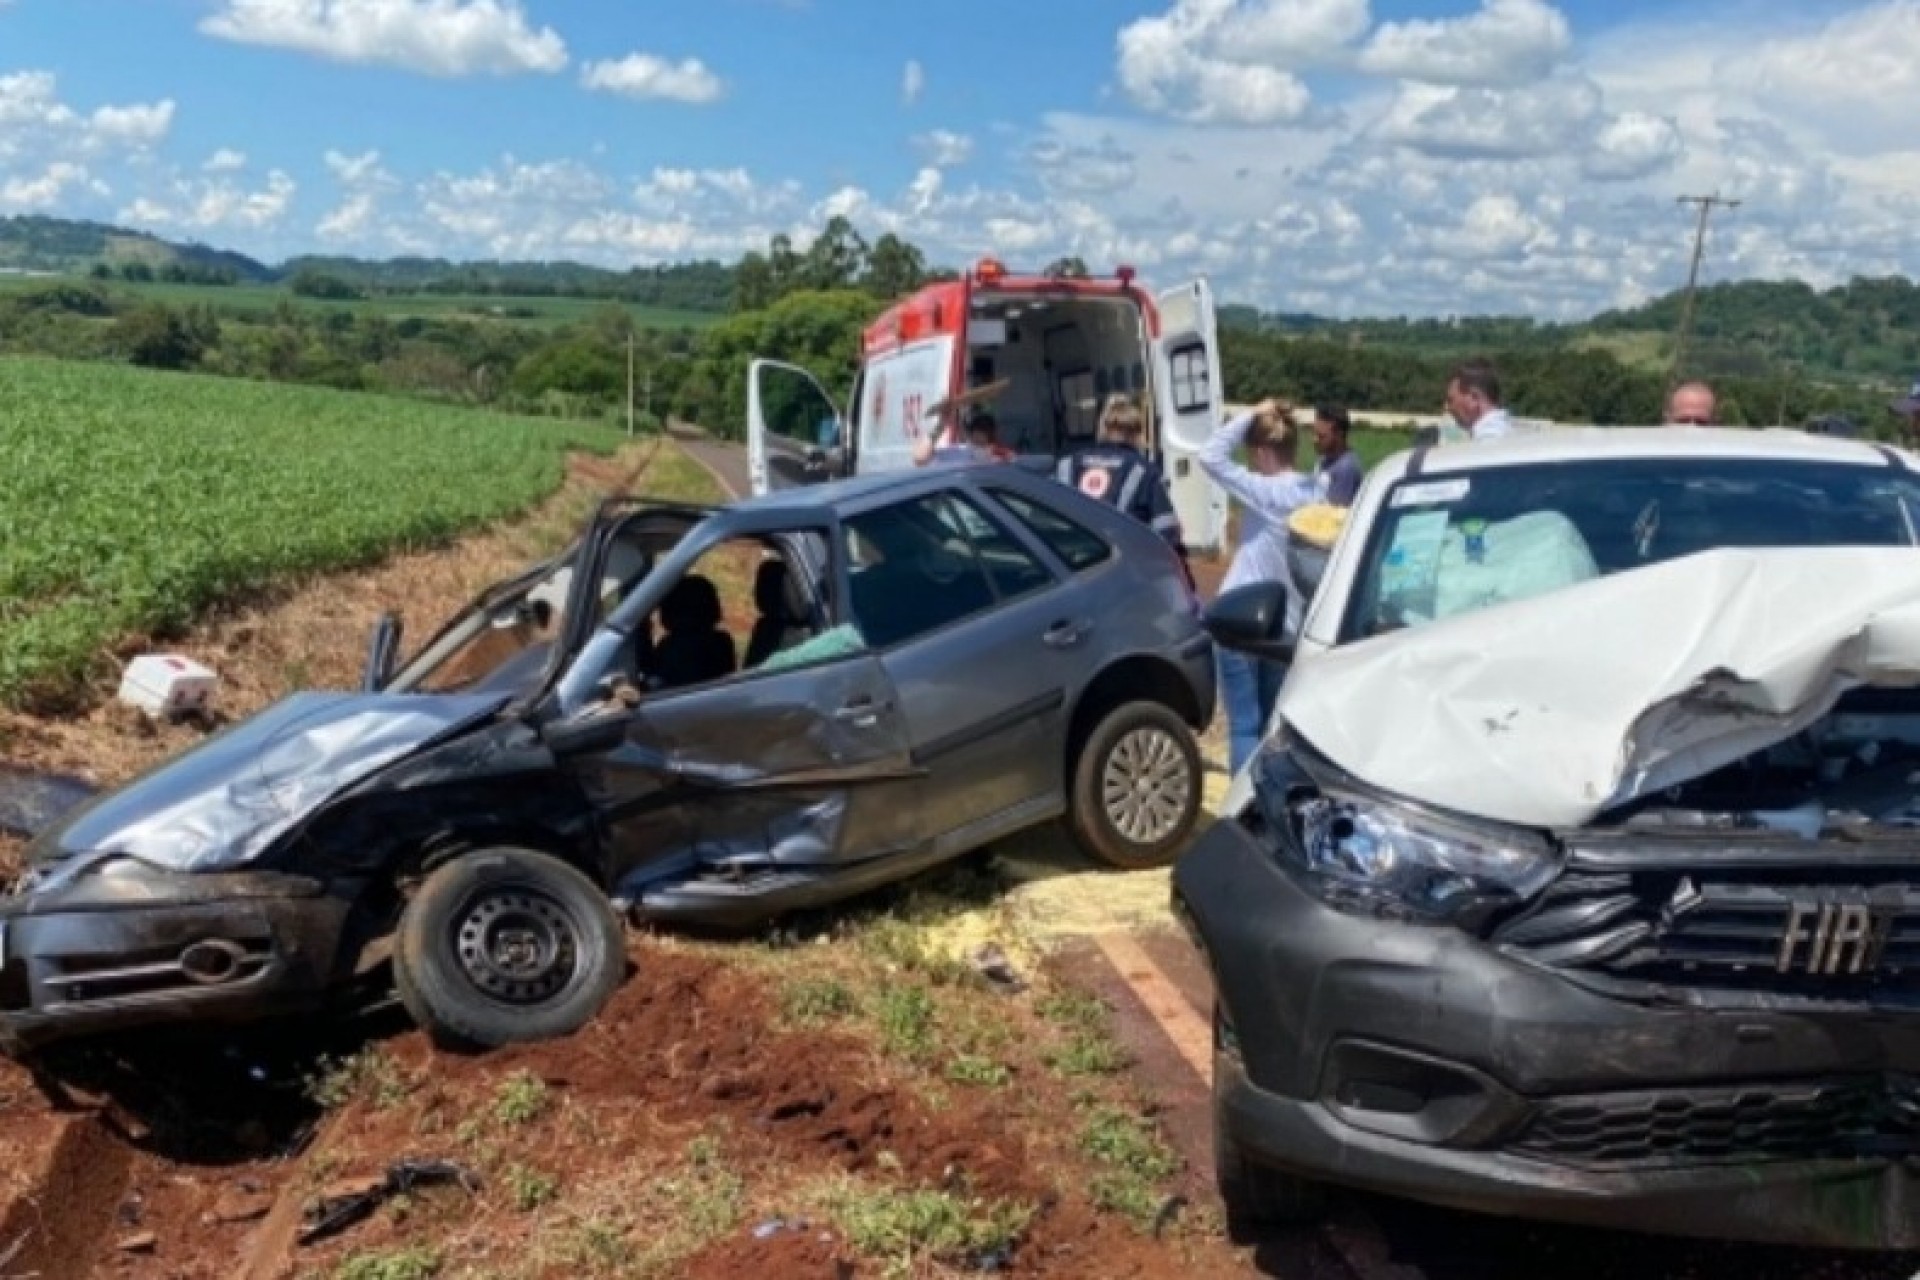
(371, 1076)
(1090, 1048)
(905, 1230)
(981, 1072)
(1134, 1162)
(653, 1224)
(906, 1017)
(520, 1099)
(811, 1002)
(417, 1263)
(529, 1189)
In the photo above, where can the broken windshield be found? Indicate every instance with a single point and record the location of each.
(1449, 545)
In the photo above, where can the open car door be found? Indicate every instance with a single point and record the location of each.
(796, 435)
(1188, 397)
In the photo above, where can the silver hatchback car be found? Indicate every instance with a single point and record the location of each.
(932, 660)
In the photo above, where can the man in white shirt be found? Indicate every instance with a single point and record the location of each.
(1474, 400)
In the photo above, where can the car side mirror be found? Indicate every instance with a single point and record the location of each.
(1253, 619)
(382, 647)
(596, 733)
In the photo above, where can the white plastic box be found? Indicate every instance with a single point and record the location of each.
(167, 685)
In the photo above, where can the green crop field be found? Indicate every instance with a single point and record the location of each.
(255, 301)
(130, 500)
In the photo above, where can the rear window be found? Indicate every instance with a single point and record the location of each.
(1447, 545)
(1078, 546)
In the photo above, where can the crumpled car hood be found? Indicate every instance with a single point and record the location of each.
(224, 802)
(1550, 711)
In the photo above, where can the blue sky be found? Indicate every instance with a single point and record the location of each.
(1398, 156)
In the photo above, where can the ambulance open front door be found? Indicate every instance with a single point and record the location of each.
(796, 435)
(1187, 395)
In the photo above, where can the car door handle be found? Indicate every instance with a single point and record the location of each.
(863, 713)
(1063, 635)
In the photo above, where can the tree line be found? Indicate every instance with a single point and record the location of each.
(807, 305)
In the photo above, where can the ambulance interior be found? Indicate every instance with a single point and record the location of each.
(1061, 356)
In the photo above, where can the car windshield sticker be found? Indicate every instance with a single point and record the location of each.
(1413, 560)
(1431, 491)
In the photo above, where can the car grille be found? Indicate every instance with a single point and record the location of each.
(1855, 1119)
(1849, 935)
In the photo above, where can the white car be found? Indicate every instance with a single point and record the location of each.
(1579, 875)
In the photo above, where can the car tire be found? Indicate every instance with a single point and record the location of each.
(1136, 787)
(1255, 1197)
(504, 945)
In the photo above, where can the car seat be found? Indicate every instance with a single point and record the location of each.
(783, 620)
(692, 648)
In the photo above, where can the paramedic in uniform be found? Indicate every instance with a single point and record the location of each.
(1116, 471)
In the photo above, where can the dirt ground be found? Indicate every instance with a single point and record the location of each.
(857, 1101)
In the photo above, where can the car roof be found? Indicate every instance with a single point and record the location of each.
(1593, 444)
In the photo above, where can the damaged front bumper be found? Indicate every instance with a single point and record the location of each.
(1416, 1060)
(130, 945)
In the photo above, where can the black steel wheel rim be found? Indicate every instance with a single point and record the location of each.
(516, 944)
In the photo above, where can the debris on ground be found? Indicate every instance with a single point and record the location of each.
(344, 1204)
(991, 963)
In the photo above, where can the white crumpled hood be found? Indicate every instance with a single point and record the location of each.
(1550, 711)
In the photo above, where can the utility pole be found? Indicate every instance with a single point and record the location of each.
(629, 382)
(1706, 204)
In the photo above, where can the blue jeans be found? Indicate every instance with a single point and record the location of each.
(1248, 687)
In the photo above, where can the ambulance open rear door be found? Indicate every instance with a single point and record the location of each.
(1187, 395)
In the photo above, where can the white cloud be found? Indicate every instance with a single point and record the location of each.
(1537, 120)
(43, 190)
(642, 75)
(1227, 61)
(1507, 42)
(913, 82)
(1097, 169)
(437, 37)
(35, 124)
(201, 205)
(1857, 77)
(944, 148)
(225, 160)
(1632, 145)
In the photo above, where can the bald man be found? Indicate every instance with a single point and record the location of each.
(1691, 404)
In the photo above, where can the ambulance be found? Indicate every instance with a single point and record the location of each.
(1039, 352)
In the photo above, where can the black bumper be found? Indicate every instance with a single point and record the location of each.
(1418, 1061)
(86, 960)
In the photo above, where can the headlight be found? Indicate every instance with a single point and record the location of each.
(1368, 853)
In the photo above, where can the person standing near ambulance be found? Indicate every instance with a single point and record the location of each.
(1269, 488)
(1117, 471)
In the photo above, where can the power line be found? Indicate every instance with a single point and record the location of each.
(1706, 204)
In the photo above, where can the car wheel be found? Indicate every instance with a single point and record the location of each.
(1136, 787)
(503, 945)
(1254, 1196)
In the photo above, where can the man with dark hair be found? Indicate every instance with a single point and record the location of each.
(1474, 400)
(1338, 468)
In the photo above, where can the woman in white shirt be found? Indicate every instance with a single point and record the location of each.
(1269, 488)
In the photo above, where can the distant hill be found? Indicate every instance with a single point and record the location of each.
(687, 286)
(35, 243)
(1867, 330)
